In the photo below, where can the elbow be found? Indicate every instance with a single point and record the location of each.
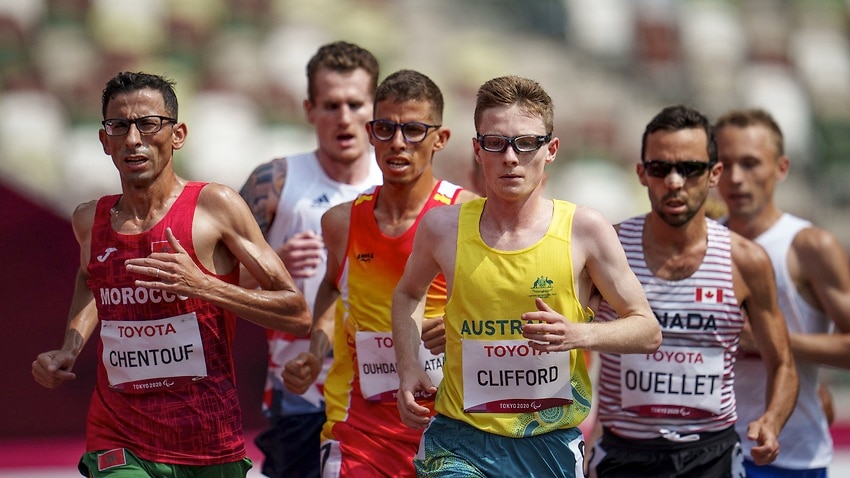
(653, 340)
(655, 343)
(297, 318)
(303, 323)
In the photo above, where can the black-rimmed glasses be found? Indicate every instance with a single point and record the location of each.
(685, 169)
(145, 124)
(496, 143)
(413, 132)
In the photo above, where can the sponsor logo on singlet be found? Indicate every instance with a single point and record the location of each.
(108, 252)
(321, 202)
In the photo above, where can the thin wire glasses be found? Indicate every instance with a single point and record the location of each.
(685, 169)
(413, 132)
(496, 143)
(145, 124)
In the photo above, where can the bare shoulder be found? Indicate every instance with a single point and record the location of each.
(594, 240)
(749, 258)
(588, 222)
(335, 222)
(82, 221)
(262, 190)
(818, 257)
(218, 197)
(465, 195)
(436, 236)
(222, 213)
(339, 214)
(83, 216)
(267, 178)
(818, 244)
(438, 225)
(443, 216)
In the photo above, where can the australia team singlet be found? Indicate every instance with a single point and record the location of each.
(493, 379)
(363, 353)
(165, 379)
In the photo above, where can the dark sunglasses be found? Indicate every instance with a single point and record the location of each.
(685, 169)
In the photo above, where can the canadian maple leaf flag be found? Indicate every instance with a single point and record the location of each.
(710, 295)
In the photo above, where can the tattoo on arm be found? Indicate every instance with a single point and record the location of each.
(262, 191)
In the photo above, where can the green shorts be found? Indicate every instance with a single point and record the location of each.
(123, 463)
(454, 448)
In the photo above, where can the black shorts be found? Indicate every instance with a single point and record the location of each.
(291, 446)
(713, 455)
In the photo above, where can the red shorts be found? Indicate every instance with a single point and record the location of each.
(356, 454)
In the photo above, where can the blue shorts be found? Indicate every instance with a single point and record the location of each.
(456, 449)
(770, 471)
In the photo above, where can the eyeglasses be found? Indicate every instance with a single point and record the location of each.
(145, 124)
(413, 132)
(685, 169)
(496, 143)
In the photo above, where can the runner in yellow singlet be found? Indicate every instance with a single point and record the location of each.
(520, 271)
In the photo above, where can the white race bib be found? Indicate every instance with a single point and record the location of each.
(377, 366)
(508, 376)
(150, 355)
(680, 382)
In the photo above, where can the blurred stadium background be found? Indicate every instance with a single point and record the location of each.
(239, 65)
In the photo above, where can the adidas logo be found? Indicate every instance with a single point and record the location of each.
(321, 201)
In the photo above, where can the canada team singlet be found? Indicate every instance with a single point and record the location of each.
(686, 386)
(372, 267)
(493, 379)
(165, 379)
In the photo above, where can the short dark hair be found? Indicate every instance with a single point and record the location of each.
(341, 57)
(513, 90)
(411, 85)
(127, 81)
(679, 117)
(754, 117)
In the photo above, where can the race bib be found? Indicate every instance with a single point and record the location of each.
(377, 366)
(152, 355)
(679, 382)
(508, 376)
